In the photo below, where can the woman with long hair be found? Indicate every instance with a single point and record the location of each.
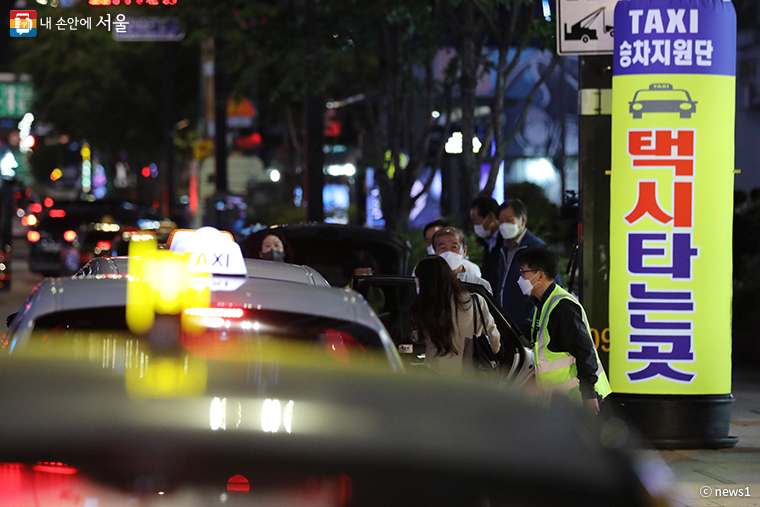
(442, 315)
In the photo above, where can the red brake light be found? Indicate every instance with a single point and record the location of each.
(35, 207)
(238, 483)
(48, 202)
(57, 213)
(103, 245)
(54, 468)
(69, 235)
(33, 236)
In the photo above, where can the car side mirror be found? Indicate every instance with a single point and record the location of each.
(9, 319)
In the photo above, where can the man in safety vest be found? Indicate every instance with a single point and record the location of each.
(566, 359)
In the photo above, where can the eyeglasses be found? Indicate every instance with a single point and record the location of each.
(523, 271)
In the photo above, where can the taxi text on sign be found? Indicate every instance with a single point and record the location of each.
(672, 192)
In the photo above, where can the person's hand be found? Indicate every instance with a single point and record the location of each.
(593, 405)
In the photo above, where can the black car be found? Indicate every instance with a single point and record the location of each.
(328, 247)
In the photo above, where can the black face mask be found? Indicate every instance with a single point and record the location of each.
(273, 255)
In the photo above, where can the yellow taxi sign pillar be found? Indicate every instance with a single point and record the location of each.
(670, 219)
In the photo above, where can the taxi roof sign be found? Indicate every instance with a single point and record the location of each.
(211, 251)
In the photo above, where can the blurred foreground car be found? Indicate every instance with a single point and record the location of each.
(328, 247)
(97, 419)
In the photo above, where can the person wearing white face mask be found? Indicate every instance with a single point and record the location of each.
(564, 352)
(513, 221)
(436, 225)
(484, 214)
(450, 244)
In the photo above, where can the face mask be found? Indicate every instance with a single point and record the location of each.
(430, 250)
(273, 255)
(453, 259)
(417, 285)
(481, 231)
(525, 286)
(509, 231)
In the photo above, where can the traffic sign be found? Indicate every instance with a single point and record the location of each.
(150, 29)
(15, 99)
(585, 27)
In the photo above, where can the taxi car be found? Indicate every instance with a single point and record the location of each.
(662, 98)
(255, 269)
(242, 312)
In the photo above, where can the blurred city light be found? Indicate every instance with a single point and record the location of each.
(454, 144)
(274, 175)
(341, 170)
(8, 165)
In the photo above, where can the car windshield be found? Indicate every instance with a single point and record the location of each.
(661, 95)
(217, 332)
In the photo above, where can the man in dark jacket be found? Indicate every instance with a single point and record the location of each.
(513, 220)
(484, 213)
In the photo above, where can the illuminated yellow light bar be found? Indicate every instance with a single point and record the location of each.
(222, 313)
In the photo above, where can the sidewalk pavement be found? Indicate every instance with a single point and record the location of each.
(722, 477)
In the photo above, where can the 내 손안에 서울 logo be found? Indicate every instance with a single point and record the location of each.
(23, 23)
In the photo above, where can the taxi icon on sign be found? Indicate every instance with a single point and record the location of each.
(662, 98)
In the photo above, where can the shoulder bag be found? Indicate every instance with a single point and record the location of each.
(483, 355)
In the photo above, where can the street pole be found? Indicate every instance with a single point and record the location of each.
(220, 137)
(170, 55)
(594, 145)
(314, 106)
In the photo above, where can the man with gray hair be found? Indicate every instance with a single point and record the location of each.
(450, 243)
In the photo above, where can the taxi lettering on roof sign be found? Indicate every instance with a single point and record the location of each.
(211, 251)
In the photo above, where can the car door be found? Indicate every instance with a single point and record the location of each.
(396, 294)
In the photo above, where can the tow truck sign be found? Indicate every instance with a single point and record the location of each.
(585, 27)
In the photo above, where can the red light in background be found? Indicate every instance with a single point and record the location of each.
(54, 468)
(57, 213)
(48, 202)
(146, 172)
(238, 483)
(69, 235)
(33, 236)
(103, 245)
(17, 195)
(35, 207)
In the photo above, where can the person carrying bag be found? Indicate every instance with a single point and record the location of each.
(443, 316)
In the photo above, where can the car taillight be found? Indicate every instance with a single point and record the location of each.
(57, 213)
(70, 235)
(219, 313)
(29, 220)
(35, 207)
(33, 236)
(48, 202)
(103, 245)
(54, 467)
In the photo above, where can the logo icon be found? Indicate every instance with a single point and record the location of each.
(662, 98)
(23, 23)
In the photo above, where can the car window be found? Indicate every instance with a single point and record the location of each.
(661, 95)
(210, 335)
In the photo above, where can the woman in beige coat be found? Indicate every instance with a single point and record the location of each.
(442, 316)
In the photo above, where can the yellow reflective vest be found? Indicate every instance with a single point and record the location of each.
(557, 370)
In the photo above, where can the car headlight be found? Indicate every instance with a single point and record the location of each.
(685, 105)
(637, 106)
